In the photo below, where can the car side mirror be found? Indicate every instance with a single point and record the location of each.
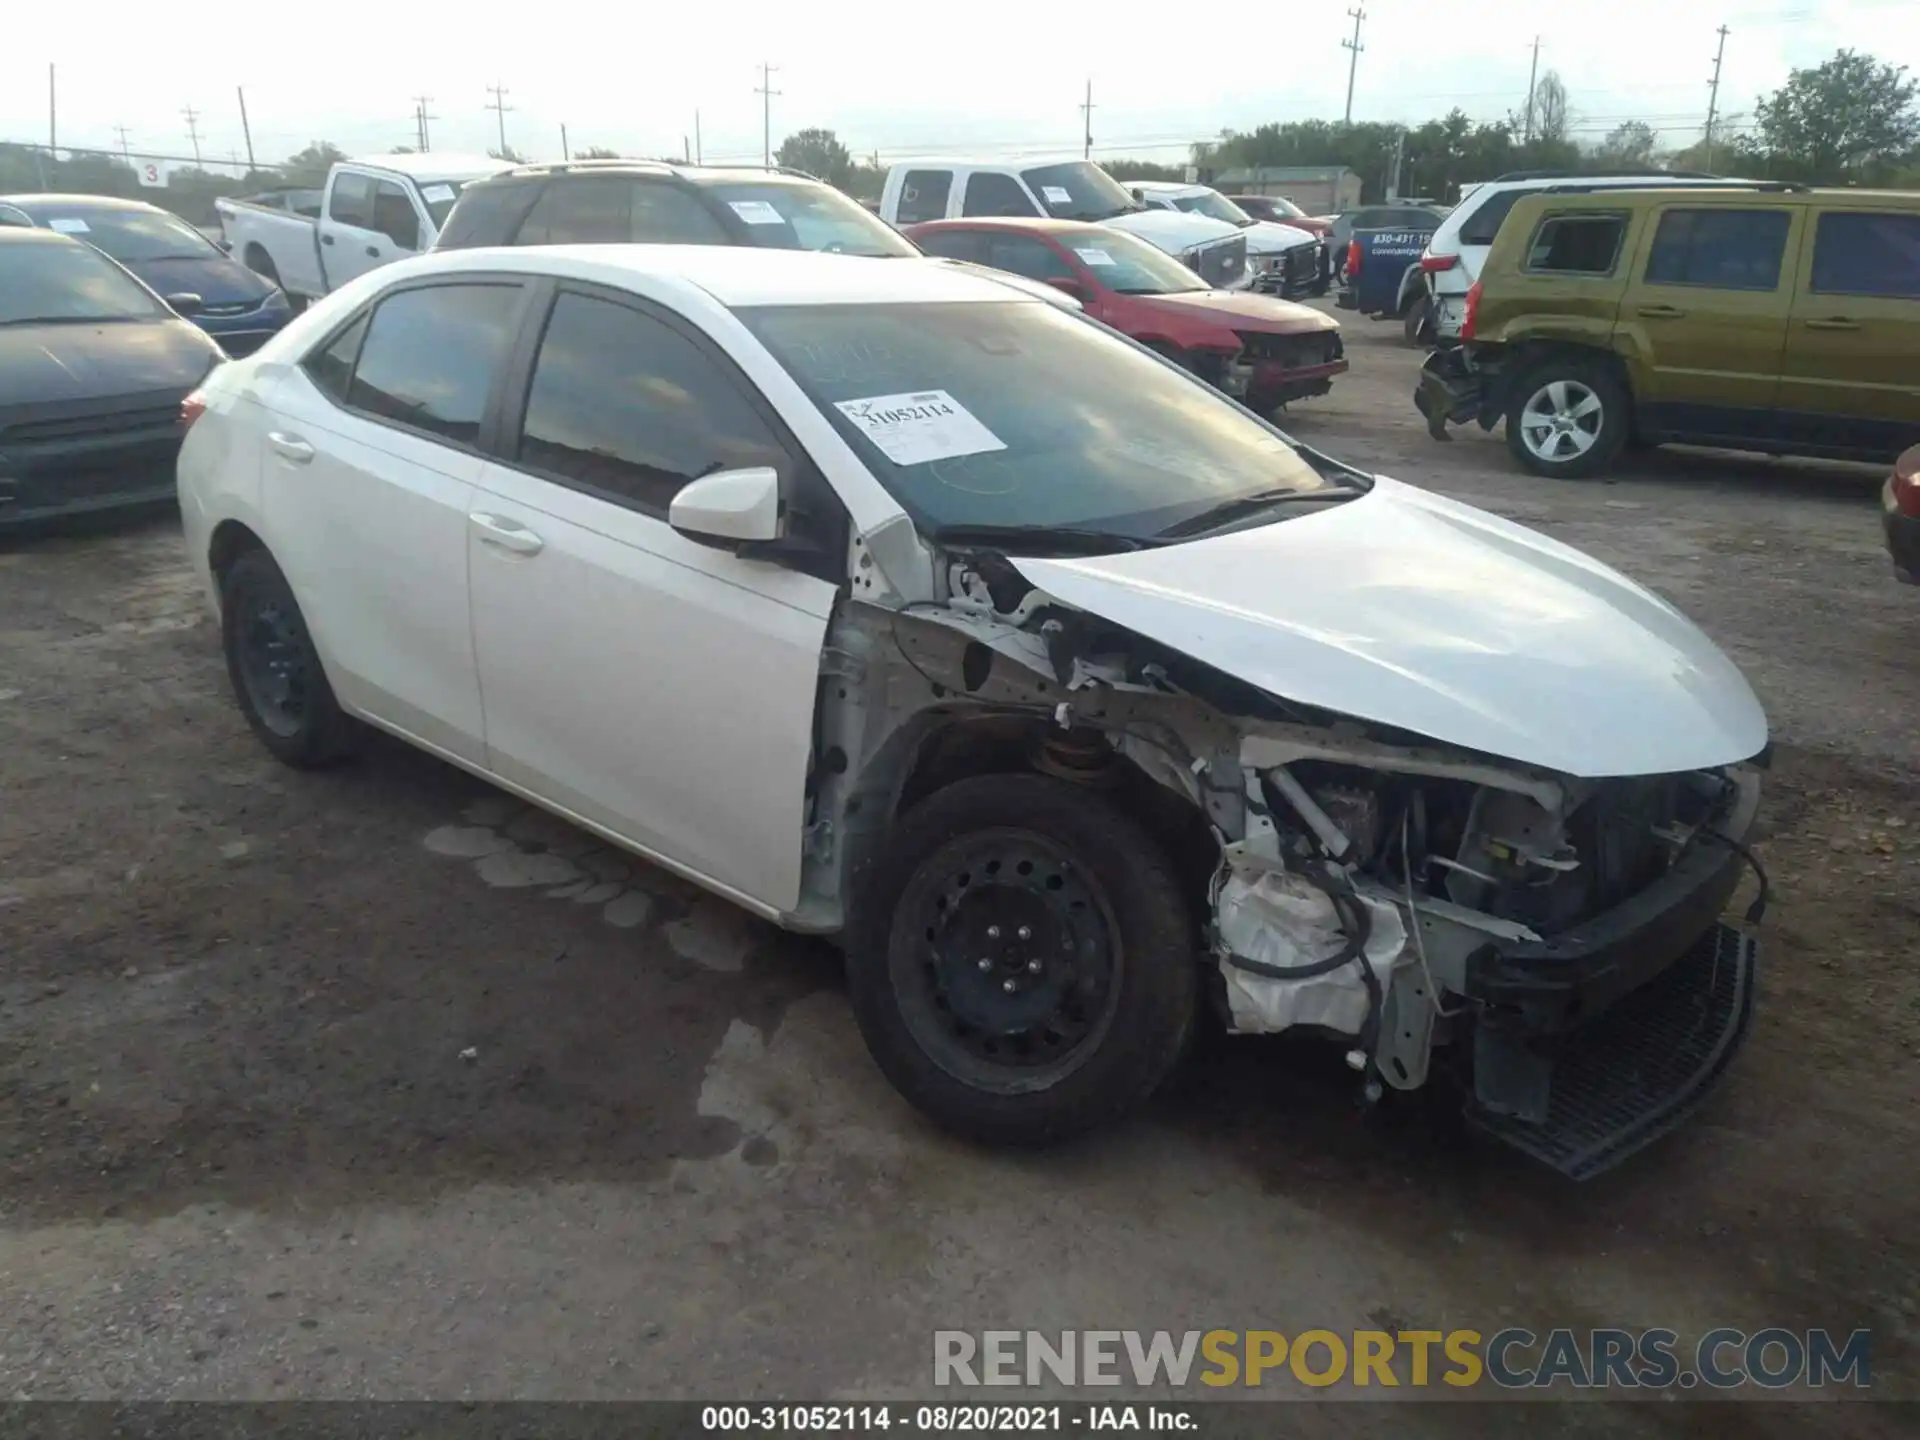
(226, 246)
(729, 507)
(185, 304)
(1067, 285)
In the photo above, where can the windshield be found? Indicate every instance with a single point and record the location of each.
(42, 282)
(1130, 265)
(1214, 205)
(1078, 190)
(132, 236)
(810, 217)
(1017, 414)
(439, 196)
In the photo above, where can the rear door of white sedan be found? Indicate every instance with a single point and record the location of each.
(655, 685)
(367, 483)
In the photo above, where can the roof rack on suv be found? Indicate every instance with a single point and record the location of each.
(638, 162)
(1631, 170)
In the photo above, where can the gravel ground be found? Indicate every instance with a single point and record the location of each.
(376, 1084)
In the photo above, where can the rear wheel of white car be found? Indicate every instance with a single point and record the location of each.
(1022, 960)
(1567, 418)
(274, 668)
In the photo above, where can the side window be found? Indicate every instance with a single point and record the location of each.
(430, 356)
(351, 200)
(1483, 224)
(394, 215)
(1024, 255)
(923, 195)
(1857, 253)
(332, 368)
(666, 214)
(956, 245)
(1723, 249)
(625, 405)
(991, 194)
(578, 210)
(1576, 245)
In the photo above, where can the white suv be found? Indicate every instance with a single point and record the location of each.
(1458, 249)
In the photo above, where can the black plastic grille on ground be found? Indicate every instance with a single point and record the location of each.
(1644, 1066)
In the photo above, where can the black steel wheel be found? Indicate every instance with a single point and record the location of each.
(274, 668)
(1022, 960)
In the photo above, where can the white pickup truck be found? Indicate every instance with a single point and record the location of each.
(372, 212)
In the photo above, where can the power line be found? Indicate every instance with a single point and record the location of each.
(1713, 93)
(1353, 62)
(766, 92)
(500, 108)
(193, 130)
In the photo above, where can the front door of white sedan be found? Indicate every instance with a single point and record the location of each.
(660, 687)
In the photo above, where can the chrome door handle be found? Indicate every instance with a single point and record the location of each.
(290, 447)
(505, 535)
(1838, 322)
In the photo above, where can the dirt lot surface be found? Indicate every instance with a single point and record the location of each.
(376, 1084)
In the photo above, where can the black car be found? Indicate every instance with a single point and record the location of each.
(1900, 515)
(93, 367)
(654, 202)
(231, 303)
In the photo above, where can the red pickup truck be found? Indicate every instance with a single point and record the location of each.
(1261, 350)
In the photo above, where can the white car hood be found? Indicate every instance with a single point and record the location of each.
(1172, 230)
(1270, 237)
(1415, 611)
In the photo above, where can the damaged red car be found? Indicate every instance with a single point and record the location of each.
(1261, 350)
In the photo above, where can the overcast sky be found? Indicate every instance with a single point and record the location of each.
(894, 76)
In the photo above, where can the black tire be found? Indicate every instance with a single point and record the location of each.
(1417, 323)
(1111, 933)
(275, 671)
(1604, 429)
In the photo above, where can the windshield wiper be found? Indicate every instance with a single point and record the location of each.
(1227, 511)
(1039, 537)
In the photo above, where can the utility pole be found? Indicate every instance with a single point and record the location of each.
(53, 123)
(1713, 93)
(1086, 120)
(566, 153)
(245, 128)
(500, 108)
(697, 153)
(1533, 75)
(766, 92)
(1353, 63)
(1399, 155)
(193, 132)
(420, 119)
(125, 153)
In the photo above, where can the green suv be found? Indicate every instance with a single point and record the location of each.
(1770, 318)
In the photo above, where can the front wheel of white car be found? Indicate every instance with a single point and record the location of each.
(1022, 960)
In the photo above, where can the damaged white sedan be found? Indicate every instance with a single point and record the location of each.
(1073, 697)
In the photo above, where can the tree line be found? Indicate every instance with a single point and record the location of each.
(1851, 120)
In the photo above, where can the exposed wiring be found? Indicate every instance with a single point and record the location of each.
(1759, 906)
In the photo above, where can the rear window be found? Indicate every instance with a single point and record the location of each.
(1483, 224)
(1855, 253)
(806, 216)
(1721, 249)
(1576, 245)
(923, 195)
(430, 355)
(487, 214)
(991, 194)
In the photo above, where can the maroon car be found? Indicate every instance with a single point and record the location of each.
(1900, 515)
(1261, 350)
(1281, 211)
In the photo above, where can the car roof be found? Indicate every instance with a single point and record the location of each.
(37, 202)
(734, 275)
(21, 235)
(1771, 192)
(434, 165)
(950, 162)
(1166, 187)
(693, 173)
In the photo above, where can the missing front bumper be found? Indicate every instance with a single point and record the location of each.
(1585, 1100)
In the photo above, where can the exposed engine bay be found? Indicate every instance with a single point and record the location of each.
(1350, 878)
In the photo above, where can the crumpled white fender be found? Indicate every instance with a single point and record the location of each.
(1281, 919)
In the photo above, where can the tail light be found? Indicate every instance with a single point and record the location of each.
(191, 409)
(1470, 321)
(1434, 264)
(1353, 257)
(1906, 482)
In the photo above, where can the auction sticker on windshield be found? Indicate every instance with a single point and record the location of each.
(68, 226)
(1056, 194)
(914, 428)
(757, 212)
(1093, 256)
(436, 194)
